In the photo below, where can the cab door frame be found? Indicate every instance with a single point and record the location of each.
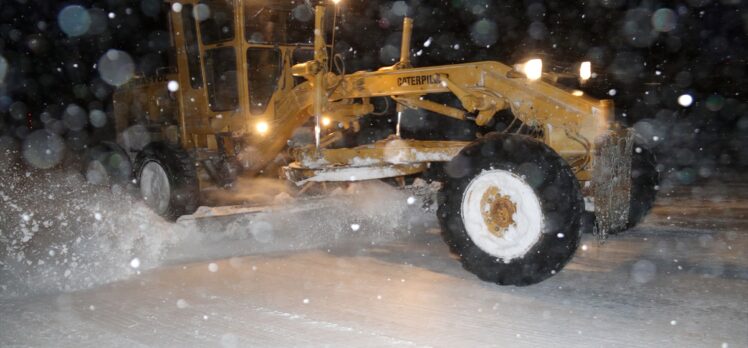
(198, 122)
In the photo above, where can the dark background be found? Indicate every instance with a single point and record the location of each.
(647, 54)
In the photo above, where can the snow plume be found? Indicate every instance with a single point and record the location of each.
(364, 213)
(58, 233)
(255, 191)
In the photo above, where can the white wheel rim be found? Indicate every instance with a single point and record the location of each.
(155, 188)
(526, 220)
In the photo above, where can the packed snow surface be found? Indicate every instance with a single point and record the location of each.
(359, 277)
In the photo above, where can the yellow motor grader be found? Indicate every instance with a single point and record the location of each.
(252, 92)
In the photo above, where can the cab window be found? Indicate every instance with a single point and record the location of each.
(263, 70)
(216, 20)
(220, 75)
(289, 22)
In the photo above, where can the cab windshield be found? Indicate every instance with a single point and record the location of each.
(279, 23)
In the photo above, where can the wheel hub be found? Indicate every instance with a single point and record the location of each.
(497, 211)
(155, 188)
(501, 214)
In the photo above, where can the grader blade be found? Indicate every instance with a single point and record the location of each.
(357, 208)
(218, 216)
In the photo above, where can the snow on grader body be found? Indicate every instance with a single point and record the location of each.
(242, 87)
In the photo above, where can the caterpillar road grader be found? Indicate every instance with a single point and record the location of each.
(253, 92)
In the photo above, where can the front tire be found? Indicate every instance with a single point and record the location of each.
(168, 180)
(510, 209)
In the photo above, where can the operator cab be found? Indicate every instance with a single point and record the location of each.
(232, 56)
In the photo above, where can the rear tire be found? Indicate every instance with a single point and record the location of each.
(510, 209)
(168, 180)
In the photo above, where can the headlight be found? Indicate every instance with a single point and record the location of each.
(262, 127)
(585, 71)
(533, 69)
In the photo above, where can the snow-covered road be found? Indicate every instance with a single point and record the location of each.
(680, 279)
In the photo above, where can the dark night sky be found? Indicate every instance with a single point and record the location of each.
(649, 52)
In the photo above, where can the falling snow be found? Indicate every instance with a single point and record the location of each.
(82, 255)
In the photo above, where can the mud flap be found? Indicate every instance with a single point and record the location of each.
(612, 182)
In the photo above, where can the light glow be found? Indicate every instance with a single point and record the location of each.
(685, 100)
(585, 71)
(335, 2)
(533, 69)
(326, 121)
(262, 127)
